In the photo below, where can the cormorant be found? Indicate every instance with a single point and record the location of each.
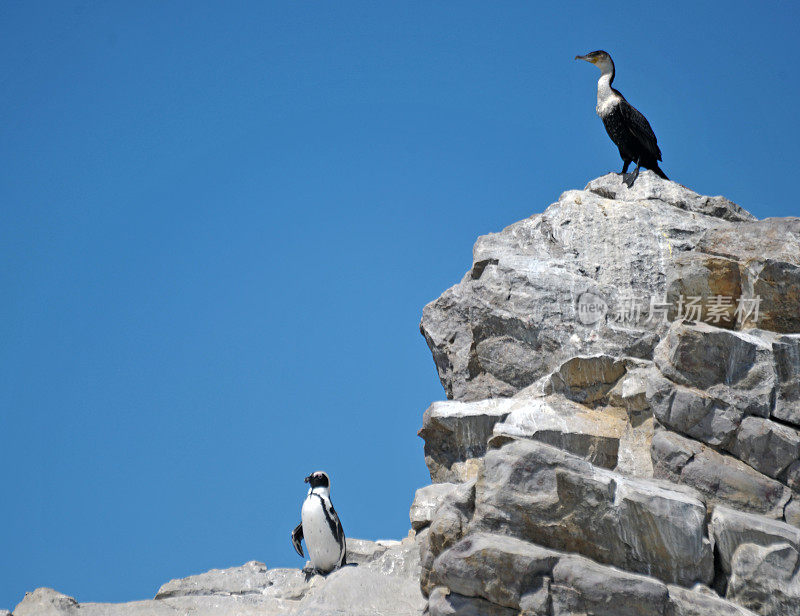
(628, 128)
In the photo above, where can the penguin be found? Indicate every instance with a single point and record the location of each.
(320, 526)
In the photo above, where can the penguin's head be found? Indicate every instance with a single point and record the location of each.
(318, 479)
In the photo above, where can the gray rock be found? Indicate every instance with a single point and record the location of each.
(766, 446)
(581, 586)
(522, 309)
(792, 476)
(449, 524)
(777, 286)
(777, 561)
(289, 584)
(732, 529)
(497, 568)
(361, 551)
(777, 237)
(685, 602)
(791, 513)
(633, 457)
(787, 362)
(46, 602)
(694, 412)
(768, 253)
(537, 602)
(737, 368)
(484, 571)
(765, 579)
(386, 582)
(542, 494)
(249, 578)
(593, 434)
(721, 479)
(714, 379)
(445, 603)
(426, 501)
(652, 188)
(703, 278)
(456, 434)
(630, 392)
(586, 379)
(388, 585)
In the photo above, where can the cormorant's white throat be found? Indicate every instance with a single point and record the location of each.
(606, 97)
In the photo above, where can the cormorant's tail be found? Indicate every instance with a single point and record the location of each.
(657, 170)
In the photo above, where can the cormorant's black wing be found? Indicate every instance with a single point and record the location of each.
(640, 128)
(297, 537)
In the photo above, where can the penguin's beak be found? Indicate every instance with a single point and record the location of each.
(307, 479)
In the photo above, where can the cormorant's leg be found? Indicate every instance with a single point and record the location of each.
(625, 164)
(630, 178)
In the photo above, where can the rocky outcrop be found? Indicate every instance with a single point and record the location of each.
(624, 381)
(382, 578)
(595, 274)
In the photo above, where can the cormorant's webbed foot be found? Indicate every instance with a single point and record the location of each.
(630, 178)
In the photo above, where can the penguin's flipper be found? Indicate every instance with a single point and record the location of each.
(340, 538)
(297, 537)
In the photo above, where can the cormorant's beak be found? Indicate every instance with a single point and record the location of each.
(307, 479)
(585, 58)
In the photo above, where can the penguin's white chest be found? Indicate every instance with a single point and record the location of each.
(323, 548)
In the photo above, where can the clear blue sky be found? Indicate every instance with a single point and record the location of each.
(221, 221)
